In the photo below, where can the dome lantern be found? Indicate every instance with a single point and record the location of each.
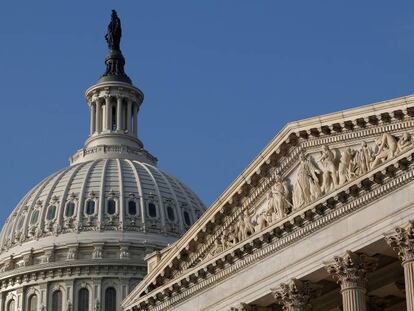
(114, 104)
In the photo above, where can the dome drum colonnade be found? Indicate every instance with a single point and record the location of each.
(77, 240)
(114, 111)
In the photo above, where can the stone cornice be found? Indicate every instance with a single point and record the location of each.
(296, 226)
(280, 155)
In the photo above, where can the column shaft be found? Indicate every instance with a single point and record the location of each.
(409, 284)
(119, 114)
(129, 125)
(98, 116)
(108, 114)
(354, 299)
(93, 118)
(135, 119)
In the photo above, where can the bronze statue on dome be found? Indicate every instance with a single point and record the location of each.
(113, 36)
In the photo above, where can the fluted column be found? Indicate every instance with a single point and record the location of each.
(402, 241)
(98, 116)
(294, 296)
(350, 271)
(119, 114)
(93, 118)
(135, 119)
(128, 114)
(108, 114)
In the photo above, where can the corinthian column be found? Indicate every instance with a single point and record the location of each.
(402, 241)
(350, 271)
(294, 296)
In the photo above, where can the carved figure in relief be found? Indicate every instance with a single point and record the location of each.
(245, 226)
(306, 187)
(346, 167)
(387, 148)
(363, 159)
(329, 174)
(278, 200)
(405, 142)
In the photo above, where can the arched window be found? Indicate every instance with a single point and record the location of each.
(170, 213)
(110, 299)
(83, 300)
(20, 223)
(11, 306)
(35, 217)
(57, 300)
(90, 207)
(51, 212)
(187, 218)
(33, 303)
(132, 208)
(152, 210)
(70, 209)
(111, 207)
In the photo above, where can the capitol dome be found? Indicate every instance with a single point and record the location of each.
(78, 239)
(101, 195)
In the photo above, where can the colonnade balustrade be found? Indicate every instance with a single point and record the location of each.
(351, 271)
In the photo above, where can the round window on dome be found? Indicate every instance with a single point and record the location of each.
(152, 210)
(187, 218)
(111, 207)
(70, 209)
(90, 207)
(132, 208)
(51, 212)
(35, 217)
(170, 213)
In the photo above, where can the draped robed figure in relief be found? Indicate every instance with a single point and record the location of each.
(306, 187)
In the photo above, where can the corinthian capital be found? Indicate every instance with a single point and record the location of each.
(294, 295)
(402, 241)
(351, 270)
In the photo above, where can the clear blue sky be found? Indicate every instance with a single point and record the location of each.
(220, 77)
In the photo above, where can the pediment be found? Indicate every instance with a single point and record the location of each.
(309, 168)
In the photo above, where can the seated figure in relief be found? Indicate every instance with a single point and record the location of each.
(405, 142)
(330, 173)
(387, 148)
(306, 187)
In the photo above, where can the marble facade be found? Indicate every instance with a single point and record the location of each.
(321, 219)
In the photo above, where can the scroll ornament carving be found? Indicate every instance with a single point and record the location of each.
(402, 241)
(334, 168)
(294, 295)
(351, 270)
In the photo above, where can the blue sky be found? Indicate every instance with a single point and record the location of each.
(220, 77)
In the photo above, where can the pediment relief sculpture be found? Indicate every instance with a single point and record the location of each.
(317, 174)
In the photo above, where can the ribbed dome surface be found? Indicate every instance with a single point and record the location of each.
(103, 195)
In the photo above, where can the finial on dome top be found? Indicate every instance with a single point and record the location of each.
(115, 61)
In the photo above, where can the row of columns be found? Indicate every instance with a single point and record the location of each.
(350, 272)
(102, 117)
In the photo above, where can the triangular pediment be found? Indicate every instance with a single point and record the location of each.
(310, 168)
